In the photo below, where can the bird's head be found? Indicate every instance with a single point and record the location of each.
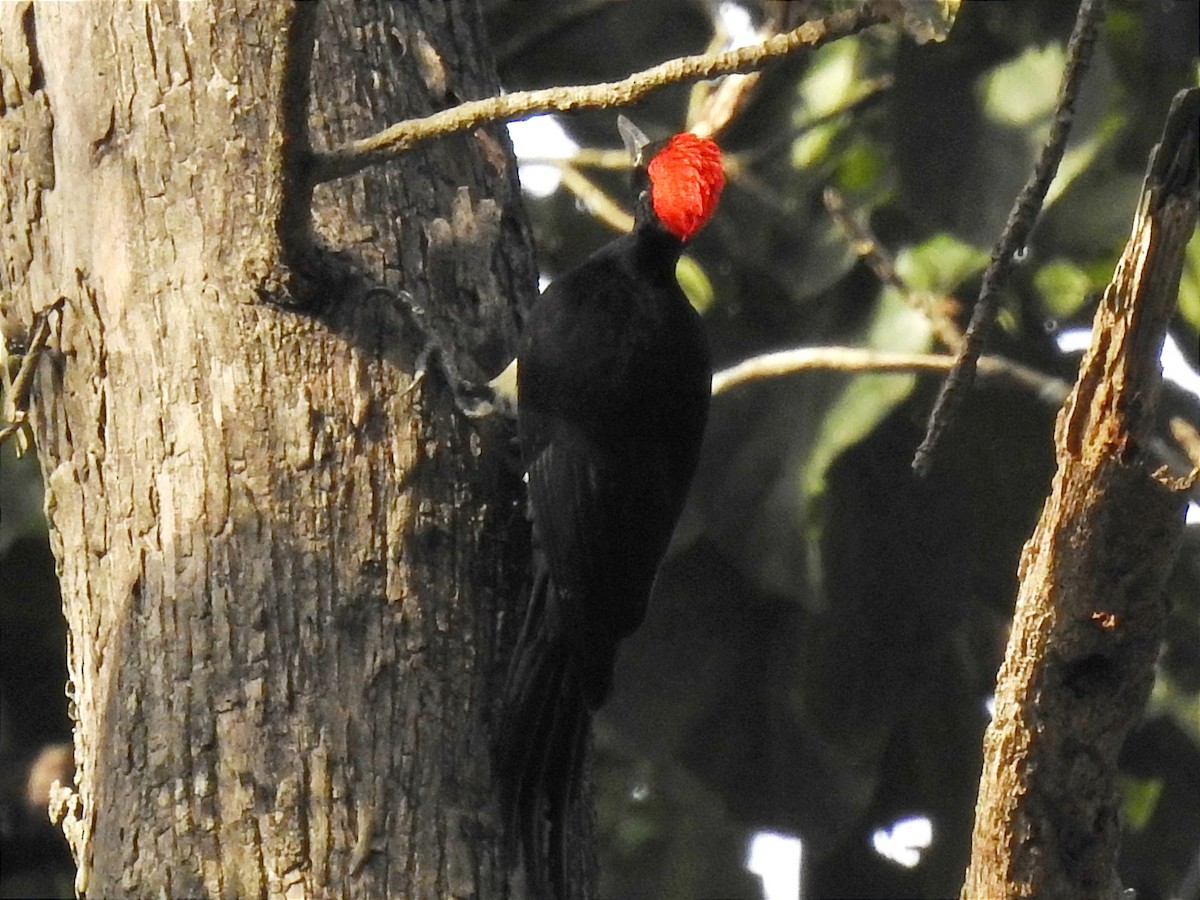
(682, 176)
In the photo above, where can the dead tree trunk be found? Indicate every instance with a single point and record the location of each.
(283, 565)
(1089, 615)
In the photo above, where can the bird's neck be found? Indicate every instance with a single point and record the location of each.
(655, 249)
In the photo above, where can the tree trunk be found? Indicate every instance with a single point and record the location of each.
(1089, 615)
(285, 568)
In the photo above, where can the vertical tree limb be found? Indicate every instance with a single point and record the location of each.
(1016, 233)
(1089, 614)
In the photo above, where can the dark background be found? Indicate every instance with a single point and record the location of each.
(827, 629)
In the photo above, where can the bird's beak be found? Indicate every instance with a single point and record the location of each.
(634, 139)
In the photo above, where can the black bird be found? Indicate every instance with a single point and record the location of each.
(613, 384)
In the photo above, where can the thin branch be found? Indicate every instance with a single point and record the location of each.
(359, 154)
(1048, 389)
(583, 158)
(711, 110)
(699, 95)
(1188, 438)
(1015, 236)
(868, 248)
(867, 92)
(1185, 450)
(722, 105)
(593, 197)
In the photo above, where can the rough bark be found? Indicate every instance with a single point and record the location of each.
(1089, 614)
(284, 567)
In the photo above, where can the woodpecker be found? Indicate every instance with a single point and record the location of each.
(613, 384)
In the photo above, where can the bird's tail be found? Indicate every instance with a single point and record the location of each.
(539, 751)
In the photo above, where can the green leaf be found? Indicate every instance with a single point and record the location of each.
(863, 403)
(1008, 320)
(1182, 706)
(1023, 92)
(831, 81)
(1063, 287)
(813, 145)
(860, 167)
(694, 282)
(1081, 154)
(867, 399)
(940, 264)
(1139, 797)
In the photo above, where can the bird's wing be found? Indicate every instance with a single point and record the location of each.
(603, 523)
(571, 492)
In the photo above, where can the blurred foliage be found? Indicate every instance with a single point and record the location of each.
(866, 399)
(827, 630)
(1063, 287)
(1139, 798)
(940, 264)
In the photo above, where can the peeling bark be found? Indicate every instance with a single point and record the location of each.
(1090, 613)
(285, 569)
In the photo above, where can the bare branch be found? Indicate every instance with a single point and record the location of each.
(359, 154)
(867, 247)
(598, 203)
(1188, 439)
(1049, 389)
(1046, 389)
(1016, 233)
(711, 109)
(584, 158)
